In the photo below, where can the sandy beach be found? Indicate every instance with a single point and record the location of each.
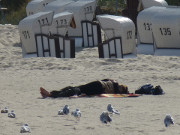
(21, 78)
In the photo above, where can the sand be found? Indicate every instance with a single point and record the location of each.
(21, 78)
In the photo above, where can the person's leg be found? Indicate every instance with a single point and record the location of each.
(66, 92)
(92, 88)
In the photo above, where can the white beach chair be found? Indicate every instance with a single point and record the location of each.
(166, 32)
(149, 3)
(144, 30)
(31, 25)
(57, 6)
(36, 6)
(61, 22)
(83, 10)
(119, 36)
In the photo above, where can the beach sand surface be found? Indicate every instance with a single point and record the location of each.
(21, 78)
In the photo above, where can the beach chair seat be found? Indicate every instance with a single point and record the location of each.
(54, 46)
(111, 48)
(91, 33)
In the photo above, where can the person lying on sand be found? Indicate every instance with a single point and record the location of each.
(105, 86)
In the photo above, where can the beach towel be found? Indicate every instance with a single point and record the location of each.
(110, 95)
(119, 95)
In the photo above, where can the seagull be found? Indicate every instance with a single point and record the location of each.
(65, 110)
(168, 120)
(25, 128)
(12, 114)
(105, 118)
(5, 110)
(76, 113)
(112, 110)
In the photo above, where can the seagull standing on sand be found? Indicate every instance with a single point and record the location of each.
(12, 114)
(168, 120)
(64, 111)
(112, 110)
(76, 113)
(5, 110)
(105, 118)
(25, 128)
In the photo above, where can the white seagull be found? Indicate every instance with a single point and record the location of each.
(168, 120)
(25, 129)
(65, 110)
(12, 114)
(112, 110)
(5, 110)
(76, 113)
(105, 118)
